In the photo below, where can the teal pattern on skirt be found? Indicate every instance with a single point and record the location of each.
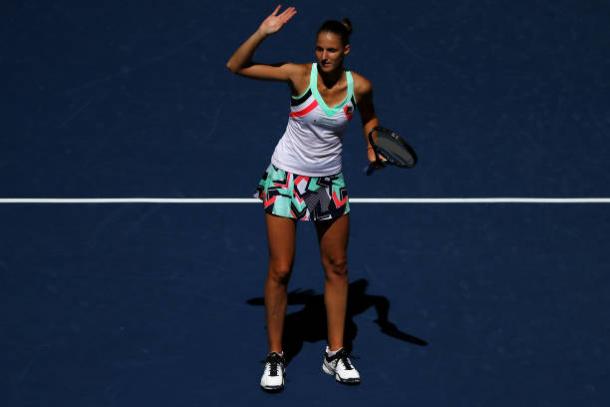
(302, 197)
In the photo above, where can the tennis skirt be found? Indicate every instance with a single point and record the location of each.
(302, 197)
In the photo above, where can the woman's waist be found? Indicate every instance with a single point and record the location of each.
(318, 168)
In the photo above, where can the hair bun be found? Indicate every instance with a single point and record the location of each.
(348, 24)
(341, 28)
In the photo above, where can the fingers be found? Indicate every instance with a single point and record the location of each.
(274, 22)
(377, 164)
(288, 14)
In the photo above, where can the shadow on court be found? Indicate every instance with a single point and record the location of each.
(309, 323)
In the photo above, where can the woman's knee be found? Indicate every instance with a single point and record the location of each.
(335, 267)
(279, 271)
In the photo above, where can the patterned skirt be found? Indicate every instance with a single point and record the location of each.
(302, 197)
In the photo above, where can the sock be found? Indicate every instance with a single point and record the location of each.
(332, 353)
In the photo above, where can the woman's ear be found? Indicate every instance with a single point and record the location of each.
(346, 49)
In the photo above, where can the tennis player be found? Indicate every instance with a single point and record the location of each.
(304, 181)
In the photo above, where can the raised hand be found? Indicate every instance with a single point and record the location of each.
(275, 22)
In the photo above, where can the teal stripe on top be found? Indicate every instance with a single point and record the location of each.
(313, 84)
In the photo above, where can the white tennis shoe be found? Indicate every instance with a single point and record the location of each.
(341, 367)
(274, 373)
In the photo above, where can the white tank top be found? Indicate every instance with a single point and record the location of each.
(312, 142)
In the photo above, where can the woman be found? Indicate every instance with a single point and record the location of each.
(304, 180)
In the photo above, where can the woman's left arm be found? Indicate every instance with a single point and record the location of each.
(364, 96)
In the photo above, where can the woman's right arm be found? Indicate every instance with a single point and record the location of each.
(241, 60)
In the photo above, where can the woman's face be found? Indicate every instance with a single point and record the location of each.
(330, 51)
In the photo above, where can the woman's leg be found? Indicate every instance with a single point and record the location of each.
(281, 235)
(333, 239)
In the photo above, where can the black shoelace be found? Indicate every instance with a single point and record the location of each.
(274, 360)
(343, 356)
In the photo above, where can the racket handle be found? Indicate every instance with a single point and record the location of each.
(369, 169)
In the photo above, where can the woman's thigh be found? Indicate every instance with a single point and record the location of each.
(281, 237)
(333, 237)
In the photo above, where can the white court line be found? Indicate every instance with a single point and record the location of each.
(490, 200)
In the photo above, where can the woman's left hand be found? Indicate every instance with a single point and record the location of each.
(377, 161)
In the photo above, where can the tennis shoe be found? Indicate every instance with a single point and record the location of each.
(341, 367)
(274, 373)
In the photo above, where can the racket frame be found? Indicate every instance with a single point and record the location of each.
(389, 160)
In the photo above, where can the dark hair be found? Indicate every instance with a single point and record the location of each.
(342, 28)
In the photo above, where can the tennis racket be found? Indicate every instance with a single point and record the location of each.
(393, 148)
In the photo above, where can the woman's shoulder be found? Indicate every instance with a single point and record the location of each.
(362, 85)
(299, 77)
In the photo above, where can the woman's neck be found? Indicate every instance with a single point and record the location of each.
(330, 79)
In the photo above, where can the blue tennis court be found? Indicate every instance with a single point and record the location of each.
(460, 304)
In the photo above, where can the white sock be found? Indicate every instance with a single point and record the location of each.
(332, 353)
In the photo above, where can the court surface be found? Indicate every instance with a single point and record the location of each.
(470, 304)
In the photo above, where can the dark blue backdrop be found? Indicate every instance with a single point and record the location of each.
(128, 305)
(133, 99)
